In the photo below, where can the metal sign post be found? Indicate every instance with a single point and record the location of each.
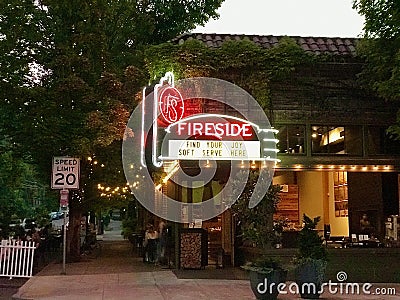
(64, 244)
(64, 207)
(65, 176)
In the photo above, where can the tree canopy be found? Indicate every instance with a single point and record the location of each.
(381, 49)
(70, 72)
(382, 18)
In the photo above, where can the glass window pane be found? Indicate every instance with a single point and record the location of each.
(291, 139)
(379, 142)
(320, 139)
(336, 139)
(353, 140)
(282, 137)
(375, 138)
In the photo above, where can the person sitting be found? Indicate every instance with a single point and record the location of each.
(365, 225)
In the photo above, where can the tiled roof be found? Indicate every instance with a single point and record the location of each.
(316, 45)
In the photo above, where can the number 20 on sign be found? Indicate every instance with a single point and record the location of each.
(65, 173)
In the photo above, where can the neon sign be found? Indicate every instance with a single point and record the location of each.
(200, 136)
(216, 125)
(216, 137)
(211, 149)
(170, 80)
(171, 104)
(197, 136)
(214, 129)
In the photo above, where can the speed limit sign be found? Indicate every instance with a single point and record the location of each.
(65, 174)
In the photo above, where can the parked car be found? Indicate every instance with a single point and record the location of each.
(15, 222)
(55, 215)
(28, 224)
(57, 220)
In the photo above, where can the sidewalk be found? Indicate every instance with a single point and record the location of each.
(147, 285)
(119, 274)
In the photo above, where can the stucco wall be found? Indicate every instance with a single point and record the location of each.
(311, 187)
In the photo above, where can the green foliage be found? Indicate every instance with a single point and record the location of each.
(310, 242)
(264, 265)
(20, 187)
(41, 215)
(129, 226)
(240, 62)
(22, 40)
(90, 58)
(257, 223)
(106, 219)
(238, 54)
(382, 18)
(381, 50)
(312, 255)
(90, 54)
(381, 73)
(162, 20)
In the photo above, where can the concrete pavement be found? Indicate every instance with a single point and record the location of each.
(144, 285)
(119, 274)
(113, 231)
(155, 285)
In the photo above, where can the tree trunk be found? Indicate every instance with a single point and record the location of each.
(73, 236)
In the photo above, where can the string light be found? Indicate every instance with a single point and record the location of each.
(106, 191)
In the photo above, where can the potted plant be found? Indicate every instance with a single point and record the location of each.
(257, 226)
(311, 260)
(265, 275)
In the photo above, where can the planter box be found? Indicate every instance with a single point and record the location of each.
(360, 264)
(260, 283)
(310, 277)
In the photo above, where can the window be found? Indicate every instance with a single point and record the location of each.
(341, 194)
(336, 140)
(379, 142)
(291, 139)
